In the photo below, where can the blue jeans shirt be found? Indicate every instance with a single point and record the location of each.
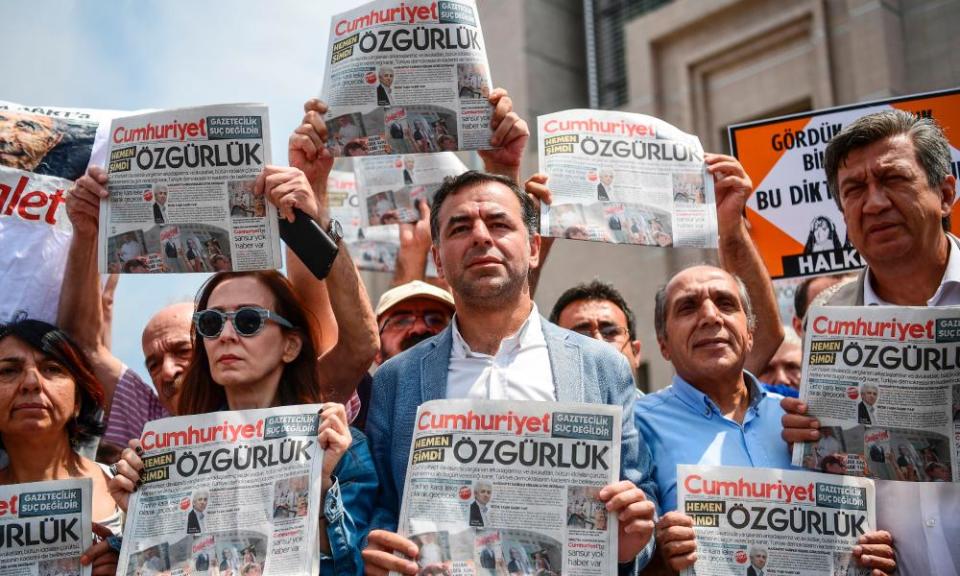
(347, 507)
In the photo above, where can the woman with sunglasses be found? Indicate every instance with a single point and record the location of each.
(49, 400)
(256, 346)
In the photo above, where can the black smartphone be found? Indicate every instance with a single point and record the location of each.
(311, 243)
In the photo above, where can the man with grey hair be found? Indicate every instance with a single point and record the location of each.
(758, 560)
(889, 173)
(866, 409)
(480, 507)
(715, 412)
(197, 518)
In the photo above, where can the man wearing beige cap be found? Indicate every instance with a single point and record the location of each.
(410, 313)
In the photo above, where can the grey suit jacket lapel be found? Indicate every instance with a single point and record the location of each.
(565, 362)
(434, 367)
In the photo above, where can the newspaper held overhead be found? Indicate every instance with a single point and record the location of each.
(45, 527)
(182, 194)
(497, 487)
(884, 382)
(237, 491)
(625, 179)
(374, 249)
(778, 521)
(43, 150)
(407, 77)
(390, 187)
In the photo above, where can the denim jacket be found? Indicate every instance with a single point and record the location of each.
(347, 507)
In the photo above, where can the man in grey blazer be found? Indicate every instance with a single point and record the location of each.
(497, 347)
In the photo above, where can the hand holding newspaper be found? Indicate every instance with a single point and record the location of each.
(407, 77)
(753, 521)
(45, 527)
(884, 382)
(496, 487)
(236, 490)
(625, 179)
(182, 194)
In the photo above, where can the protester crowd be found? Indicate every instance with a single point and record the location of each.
(262, 339)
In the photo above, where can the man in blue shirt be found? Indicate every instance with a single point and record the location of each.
(714, 413)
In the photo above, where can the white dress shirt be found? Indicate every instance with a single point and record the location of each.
(520, 370)
(948, 294)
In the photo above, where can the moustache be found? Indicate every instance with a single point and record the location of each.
(414, 339)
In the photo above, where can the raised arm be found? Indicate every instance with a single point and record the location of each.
(739, 256)
(349, 330)
(80, 313)
(510, 135)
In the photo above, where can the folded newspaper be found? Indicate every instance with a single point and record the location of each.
(753, 521)
(407, 76)
(43, 149)
(498, 488)
(233, 491)
(45, 527)
(391, 187)
(374, 248)
(884, 382)
(182, 194)
(625, 179)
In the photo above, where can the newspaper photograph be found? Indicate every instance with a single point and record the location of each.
(235, 493)
(625, 178)
(374, 249)
(391, 186)
(182, 192)
(495, 488)
(884, 382)
(407, 77)
(45, 527)
(753, 521)
(43, 149)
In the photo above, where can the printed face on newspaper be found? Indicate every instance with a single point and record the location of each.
(884, 382)
(182, 194)
(761, 521)
(45, 527)
(390, 188)
(373, 248)
(406, 77)
(42, 150)
(235, 490)
(501, 488)
(625, 179)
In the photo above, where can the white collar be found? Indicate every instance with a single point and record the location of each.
(530, 333)
(951, 275)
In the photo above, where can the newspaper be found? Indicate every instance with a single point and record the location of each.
(43, 149)
(182, 194)
(407, 76)
(374, 249)
(390, 187)
(625, 179)
(779, 521)
(227, 493)
(45, 527)
(497, 488)
(884, 382)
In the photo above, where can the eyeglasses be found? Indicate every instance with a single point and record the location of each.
(609, 332)
(247, 321)
(406, 320)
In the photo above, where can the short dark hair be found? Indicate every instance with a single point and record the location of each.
(660, 303)
(595, 290)
(453, 184)
(57, 345)
(931, 146)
